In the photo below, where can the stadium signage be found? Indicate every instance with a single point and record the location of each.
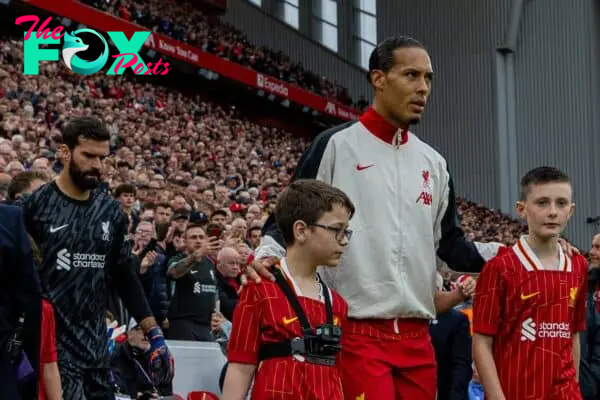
(271, 85)
(171, 49)
(128, 56)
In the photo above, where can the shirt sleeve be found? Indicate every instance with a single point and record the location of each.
(48, 354)
(453, 248)
(123, 269)
(579, 318)
(487, 302)
(244, 340)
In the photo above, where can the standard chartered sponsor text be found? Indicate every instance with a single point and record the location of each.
(551, 330)
(87, 260)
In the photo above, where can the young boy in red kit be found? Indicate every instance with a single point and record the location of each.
(286, 333)
(529, 304)
(49, 385)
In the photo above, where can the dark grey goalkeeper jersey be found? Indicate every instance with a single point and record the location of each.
(80, 242)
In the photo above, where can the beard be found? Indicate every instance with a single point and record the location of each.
(84, 180)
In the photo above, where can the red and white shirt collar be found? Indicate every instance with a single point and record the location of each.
(290, 279)
(382, 129)
(531, 262)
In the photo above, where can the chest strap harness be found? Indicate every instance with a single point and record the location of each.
(317, 346)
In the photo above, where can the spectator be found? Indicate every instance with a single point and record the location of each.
(25, 182)
(195, 294)
(589, 370)
(129, 365)
(125, 193)
(228, 277)
(254, 236)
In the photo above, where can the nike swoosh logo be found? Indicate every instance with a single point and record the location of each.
(361, 167)
(528, 296)
(287, 321)
(58, 228)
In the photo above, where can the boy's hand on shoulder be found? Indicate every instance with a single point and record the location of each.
(259, 269)
(568, 248)
(467, 287)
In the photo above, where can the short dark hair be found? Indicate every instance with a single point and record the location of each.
(124, 188)
(84, 127)
(192, 226)
(148, 206)
(22, 181)
(254, 228)
(541, 175)
(164, 205)
(382, 56)
(307, 200)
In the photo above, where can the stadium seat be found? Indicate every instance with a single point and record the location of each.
(202, 396)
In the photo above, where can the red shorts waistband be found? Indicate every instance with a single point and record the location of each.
(391, 329)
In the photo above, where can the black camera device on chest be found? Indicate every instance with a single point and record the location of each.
(319, 345)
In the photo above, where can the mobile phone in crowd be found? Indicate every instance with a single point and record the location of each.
(151, 246)
(214, 230)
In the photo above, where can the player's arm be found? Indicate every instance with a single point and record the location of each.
(180, 267)
(48, 356)
(487, 312)
(237, 381)
(18, 259)
(486, 366)
(453, 248)
(122, 267)
(244, 344)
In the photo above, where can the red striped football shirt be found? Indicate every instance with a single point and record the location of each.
(264, 315)
(532, 313)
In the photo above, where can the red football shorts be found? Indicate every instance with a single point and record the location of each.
(381, 361)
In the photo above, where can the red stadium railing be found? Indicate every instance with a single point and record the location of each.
(102, 21)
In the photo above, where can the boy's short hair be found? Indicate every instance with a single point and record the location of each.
(307, 200)
(21, 182)
(125, 188)
(541, 175)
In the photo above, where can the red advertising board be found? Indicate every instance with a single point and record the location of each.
(102, 21)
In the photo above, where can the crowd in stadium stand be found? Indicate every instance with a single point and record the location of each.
(186, 23)
(176, 160)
